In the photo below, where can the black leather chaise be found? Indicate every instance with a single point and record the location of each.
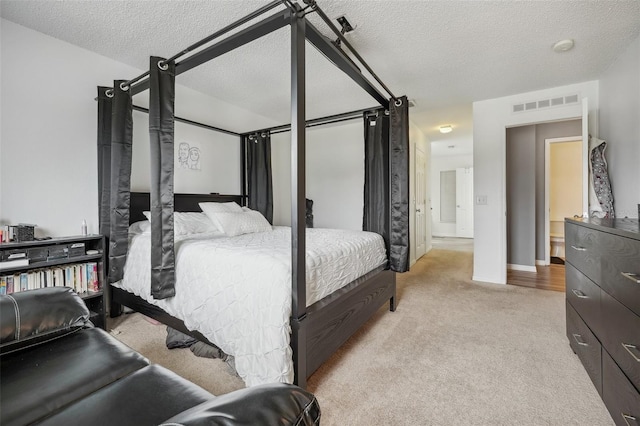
(57, 369)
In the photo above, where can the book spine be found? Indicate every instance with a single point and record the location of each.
(10, 284)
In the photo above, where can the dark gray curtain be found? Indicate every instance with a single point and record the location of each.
(386, 183)
(121, 138)
(259, 186)
(376, 172)
(104, 160)
(161, 133)
(399, 175)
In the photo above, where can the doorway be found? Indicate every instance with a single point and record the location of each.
(530, 169)
(563, 192)
(452, 215)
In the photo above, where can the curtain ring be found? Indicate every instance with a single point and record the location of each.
(398, 102)
(386, 112)
(109, 93)
(124, 87)
(250, 137)
(163, 66)
(264, 135)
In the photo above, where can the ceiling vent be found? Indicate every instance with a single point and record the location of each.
(545, 103)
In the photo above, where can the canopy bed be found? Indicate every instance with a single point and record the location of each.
(317, 327)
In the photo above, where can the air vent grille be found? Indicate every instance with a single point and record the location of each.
(546, 103)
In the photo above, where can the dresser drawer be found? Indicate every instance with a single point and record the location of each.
(584, 297)
(585, 345)
(609, 260)
(619, 395)
(621, 336)
(582, 250)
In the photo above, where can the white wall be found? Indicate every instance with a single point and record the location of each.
(565, 175)
(48, 168)
(620, 127)
(490, 120)
(439, 164)
(335, 175)
(219, 158)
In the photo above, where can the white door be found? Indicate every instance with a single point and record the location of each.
(421, 204)
(464, 202)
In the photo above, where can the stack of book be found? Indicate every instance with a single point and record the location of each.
(82, 278)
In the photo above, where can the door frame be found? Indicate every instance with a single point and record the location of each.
(427, 212)
(547, 189)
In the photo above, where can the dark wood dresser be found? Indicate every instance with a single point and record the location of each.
(603, 309)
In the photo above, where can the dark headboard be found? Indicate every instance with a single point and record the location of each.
(140, 202)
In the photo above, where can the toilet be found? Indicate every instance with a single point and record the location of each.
(557, 239)
(557, 245)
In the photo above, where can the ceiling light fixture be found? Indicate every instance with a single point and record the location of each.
(563, 45)
(446, 129)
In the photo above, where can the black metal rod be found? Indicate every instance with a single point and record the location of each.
(247, 35)
(215, 35)
(298, 202)
(298, 159)
(193, 123)
(344, 63)
(329, 119)
(339, 120)
(342, 38)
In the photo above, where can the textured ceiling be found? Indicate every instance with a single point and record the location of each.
(442, 54)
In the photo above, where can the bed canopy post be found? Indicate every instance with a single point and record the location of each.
(298, 227)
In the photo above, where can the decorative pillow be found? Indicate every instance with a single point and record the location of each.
(142, 227)
(248, 222)
(186, 223)
(213, 209)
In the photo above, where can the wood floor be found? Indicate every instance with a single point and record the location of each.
(547, 278)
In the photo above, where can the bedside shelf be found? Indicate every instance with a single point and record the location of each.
(95, 300)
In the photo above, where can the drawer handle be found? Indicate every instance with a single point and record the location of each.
(627, 417)
(580, 294)
(579, 248)
(630, 348)
(630, 275)
(578, 339)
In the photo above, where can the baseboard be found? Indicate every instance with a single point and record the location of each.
(541, 263)
(486, 280)
(526, 268)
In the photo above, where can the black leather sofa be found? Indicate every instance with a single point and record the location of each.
(57, 369)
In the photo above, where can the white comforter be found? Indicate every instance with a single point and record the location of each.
(236, 291)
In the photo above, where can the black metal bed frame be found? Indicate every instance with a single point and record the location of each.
(320, 329)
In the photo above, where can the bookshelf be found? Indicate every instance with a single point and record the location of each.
(57, 262)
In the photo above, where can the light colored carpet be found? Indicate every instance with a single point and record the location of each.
(454, 352)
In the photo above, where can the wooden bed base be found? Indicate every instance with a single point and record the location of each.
(328, 323)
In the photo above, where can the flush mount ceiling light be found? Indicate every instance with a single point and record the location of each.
(563, 45)
(446, 129)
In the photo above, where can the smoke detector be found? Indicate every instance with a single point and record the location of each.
(563, 45)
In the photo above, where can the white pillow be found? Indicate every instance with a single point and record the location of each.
(250, 222)
(142, 227)
(186, 223)
(212, 210)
